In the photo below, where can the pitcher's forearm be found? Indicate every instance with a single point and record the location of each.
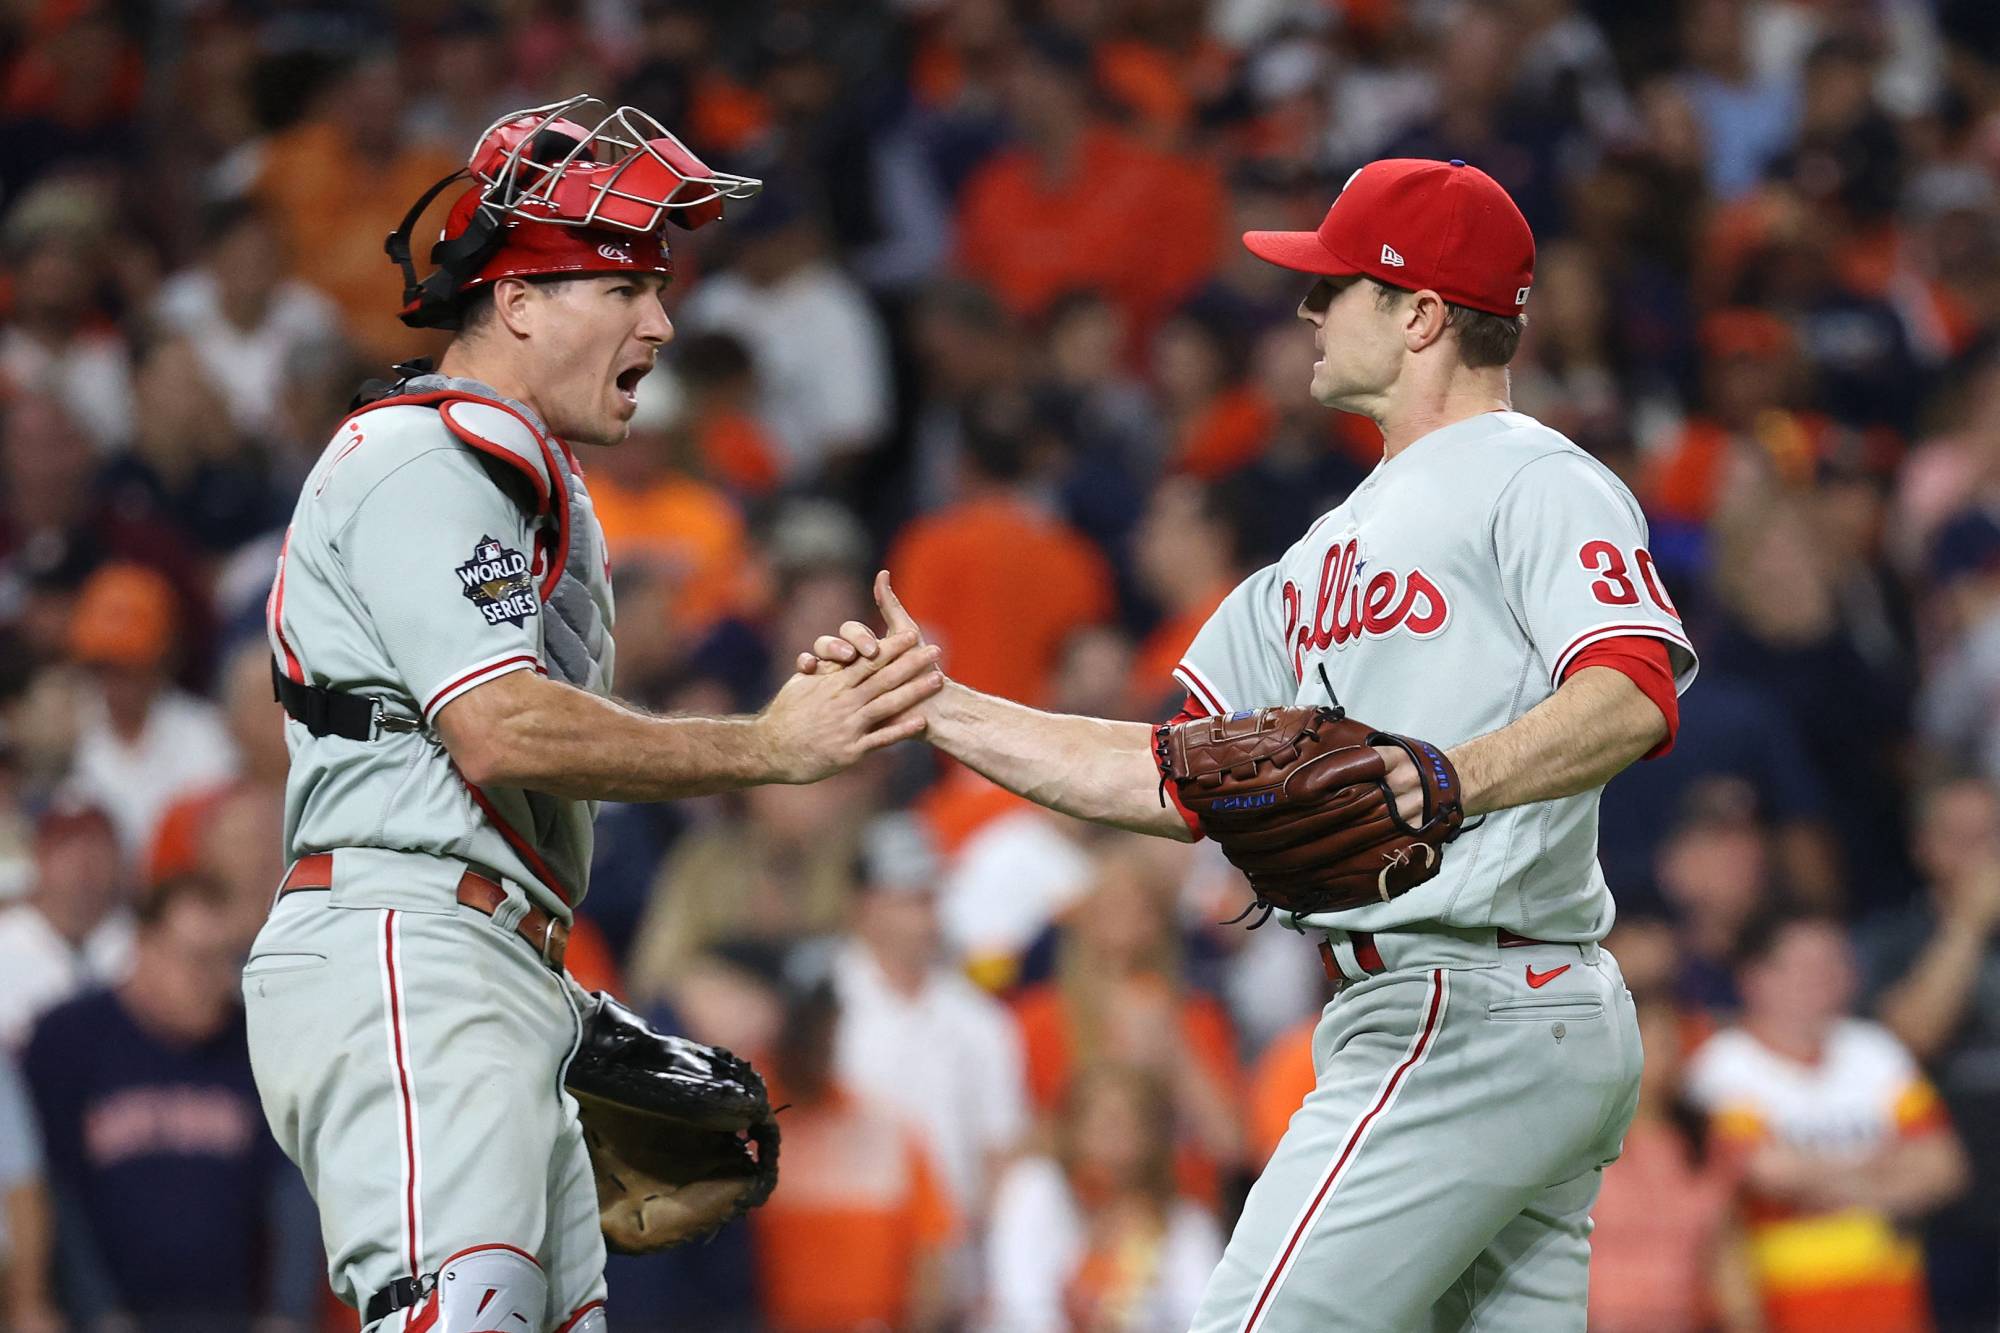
(1086, 767)
(1576, 740)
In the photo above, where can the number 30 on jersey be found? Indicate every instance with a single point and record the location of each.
(1614, 585)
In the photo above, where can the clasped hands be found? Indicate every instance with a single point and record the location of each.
(854, 693)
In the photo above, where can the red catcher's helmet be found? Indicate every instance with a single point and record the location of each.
(550, 196)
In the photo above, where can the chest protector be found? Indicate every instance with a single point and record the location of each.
(571, 562)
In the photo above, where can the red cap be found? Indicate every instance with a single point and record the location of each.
(533, 249)
(1414, 223)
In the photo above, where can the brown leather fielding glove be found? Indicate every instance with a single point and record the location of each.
(1299, 802)
(682, 1138)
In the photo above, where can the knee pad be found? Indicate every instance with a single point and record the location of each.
(590, 1319)
(486, 1289)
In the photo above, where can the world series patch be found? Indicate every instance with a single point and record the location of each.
(497, 581)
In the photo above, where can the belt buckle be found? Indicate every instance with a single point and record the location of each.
(549, 924)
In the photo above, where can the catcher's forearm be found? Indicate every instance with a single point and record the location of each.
(524, 731)
(1086, 767)
(1579, 738)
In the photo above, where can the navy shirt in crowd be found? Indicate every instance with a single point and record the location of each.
(161, 1152)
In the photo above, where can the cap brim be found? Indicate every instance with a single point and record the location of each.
(1298, 250)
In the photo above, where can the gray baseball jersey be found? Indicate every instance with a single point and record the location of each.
(1444, 599)
(439, 544)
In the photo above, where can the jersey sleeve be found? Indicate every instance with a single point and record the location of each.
(1238, 659)
(1571, 544)
(445, 563)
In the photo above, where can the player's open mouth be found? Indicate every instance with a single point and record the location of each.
(628, 382)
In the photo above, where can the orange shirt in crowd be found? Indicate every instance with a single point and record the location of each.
(589, 959)
(1031, 239)
(1048, 1043)
(961, 802)
(313, 177)
(1000, 587)
(861, 1205)
(1279, 1084)
(1698, 469)
(738, 451)
(1658, 1221)
(1226, 434)
(1162, 86)
(176, 845)
(684, 526)
(1153, 665)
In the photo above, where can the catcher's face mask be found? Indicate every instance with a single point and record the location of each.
(569, 188)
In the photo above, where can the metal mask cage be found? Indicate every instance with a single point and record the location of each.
(620, 173)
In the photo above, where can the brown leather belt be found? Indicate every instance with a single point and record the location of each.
(1369, 958)
(545, 934)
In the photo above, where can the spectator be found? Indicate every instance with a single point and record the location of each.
(1843, 1143)
(188, 463)
(1734, 737)
(1932, 969)
(1749, 439)
(54, 530)
(1567, 375)
(657, 511)
(778, 867)
(243, 316)
(1217, 420)
(1746, 119)
(1062, 210)
(1186, 555)
(819, 349)
(146, 1103)
(967, 347)
(859, 1236)
(1118, 993)
(1001, 622)
(233, 831)
(73, 932)
(914, 1033)
(56, 342)
(1956, 707)
(141, 742)
(1097, 1236)
(729, 444)
(27, 1227)
(337, 182)
(1714, 873)
(1790, 630)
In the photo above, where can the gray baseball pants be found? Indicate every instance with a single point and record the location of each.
(1440, 1176)
(410, 1061)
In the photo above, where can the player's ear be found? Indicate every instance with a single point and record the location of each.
(514, 305)
(1424, 320)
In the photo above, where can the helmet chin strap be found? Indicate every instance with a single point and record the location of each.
(432, 302)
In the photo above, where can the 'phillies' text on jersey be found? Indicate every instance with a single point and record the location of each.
(1346, 610)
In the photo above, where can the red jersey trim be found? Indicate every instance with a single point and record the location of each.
(1199, 688)
(479, 675)
(1642, 659)
(1616, 629)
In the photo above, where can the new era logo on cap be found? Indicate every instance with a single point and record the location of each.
(1390, 257)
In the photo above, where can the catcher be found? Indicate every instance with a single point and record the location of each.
(1487, 588)
(440, 624)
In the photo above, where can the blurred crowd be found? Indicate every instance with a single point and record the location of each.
(988, 324)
